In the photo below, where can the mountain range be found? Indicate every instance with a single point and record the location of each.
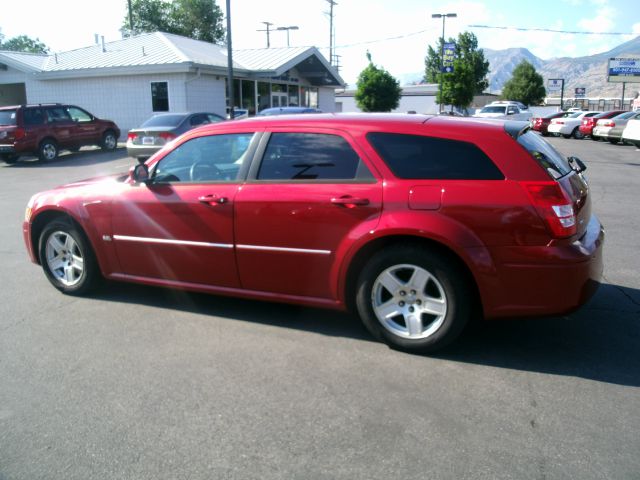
(588, 71)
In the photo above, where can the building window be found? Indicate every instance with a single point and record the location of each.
(160, 96)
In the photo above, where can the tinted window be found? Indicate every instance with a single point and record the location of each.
(215, 158)
(160, 96)
(493, 109)
(310, 156)
(415, 156)
(33, 116)
(7, 117)
(547, 156)
(163, 121)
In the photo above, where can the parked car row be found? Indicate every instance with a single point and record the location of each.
(615, 125)
(46, 129)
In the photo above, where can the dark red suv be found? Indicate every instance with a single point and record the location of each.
(45, 129)
(418, 223)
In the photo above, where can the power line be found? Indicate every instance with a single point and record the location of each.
(572, 32)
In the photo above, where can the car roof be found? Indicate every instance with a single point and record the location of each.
(384, 122)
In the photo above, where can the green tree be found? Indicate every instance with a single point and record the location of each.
(525, 85)
(377, 90)
(197, 19)
(22, 43)
(469, 76)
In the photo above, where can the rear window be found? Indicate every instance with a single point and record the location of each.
(420, 157)
(493, 109)
(163, 121)
(7, 117)
(547, 156)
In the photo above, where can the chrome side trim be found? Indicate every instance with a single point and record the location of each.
(165, 241)
(283, 249)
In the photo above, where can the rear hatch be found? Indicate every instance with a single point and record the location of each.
(8, 126)
(564, 171)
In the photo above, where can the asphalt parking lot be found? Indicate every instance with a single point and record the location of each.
(144, 383)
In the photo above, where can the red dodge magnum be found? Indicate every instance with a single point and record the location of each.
(417, 223)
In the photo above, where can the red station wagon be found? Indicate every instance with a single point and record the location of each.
(418, 223)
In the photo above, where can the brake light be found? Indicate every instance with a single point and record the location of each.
(19, 133)
(609, 123)
(167, 136)
(553, 206)
(559, 122)
(132, 136)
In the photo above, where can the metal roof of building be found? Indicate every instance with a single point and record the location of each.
(160, 49)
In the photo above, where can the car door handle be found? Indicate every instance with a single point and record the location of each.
(213, 200)
(349, 201)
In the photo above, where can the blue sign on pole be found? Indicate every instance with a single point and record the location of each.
(448, 55)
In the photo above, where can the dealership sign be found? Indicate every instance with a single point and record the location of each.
(555, 84)
(448, 55)
(624, 70)
(580, 92)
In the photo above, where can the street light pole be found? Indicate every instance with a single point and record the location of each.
(293, 27)
(444, 17)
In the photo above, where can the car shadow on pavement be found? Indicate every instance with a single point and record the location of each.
(599, 342)
(84, 157)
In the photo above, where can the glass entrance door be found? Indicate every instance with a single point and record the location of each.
(279, 99)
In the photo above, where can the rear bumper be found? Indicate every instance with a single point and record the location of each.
(141, 151)
(585, 130)
(7, 149)
(546, 280)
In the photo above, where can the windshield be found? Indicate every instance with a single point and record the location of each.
(547, 156)
(575, 115)
(493, 109)
(7, 117)
(163, 121)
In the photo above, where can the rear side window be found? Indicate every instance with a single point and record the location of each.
(310, 156)
(33, 116)
(7, 117)
(419, 157)
(547, 156)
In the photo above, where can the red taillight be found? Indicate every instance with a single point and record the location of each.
(554, 206)
(167, 136)
(132, 136)
(19, 133)
(609, 123)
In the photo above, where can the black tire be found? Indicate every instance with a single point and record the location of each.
(10, 158)
(109, 141)
(577, 134)
(595, 139)
(613, 141)
(61, 245)
(446, 289)
(48, 150)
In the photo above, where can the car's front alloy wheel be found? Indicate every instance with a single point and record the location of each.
(67, 258)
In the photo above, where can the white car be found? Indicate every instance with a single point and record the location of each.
(570, 126)
(505, 109)
(631, 133)
(604, 125)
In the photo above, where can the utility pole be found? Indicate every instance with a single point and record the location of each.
(268, 29)
(130, 20)
(230, 63)
(331, 32)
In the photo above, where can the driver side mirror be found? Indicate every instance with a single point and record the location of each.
(140, 173)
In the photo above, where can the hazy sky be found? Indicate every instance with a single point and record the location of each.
(396, 33)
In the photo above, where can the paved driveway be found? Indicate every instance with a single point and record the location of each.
(145, 383)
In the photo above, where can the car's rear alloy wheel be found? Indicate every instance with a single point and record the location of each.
(577, 134)
(413, 299)
(48, 150)
(109, 141)
(67, 258)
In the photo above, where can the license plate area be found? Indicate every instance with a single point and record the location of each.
(148, 140)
